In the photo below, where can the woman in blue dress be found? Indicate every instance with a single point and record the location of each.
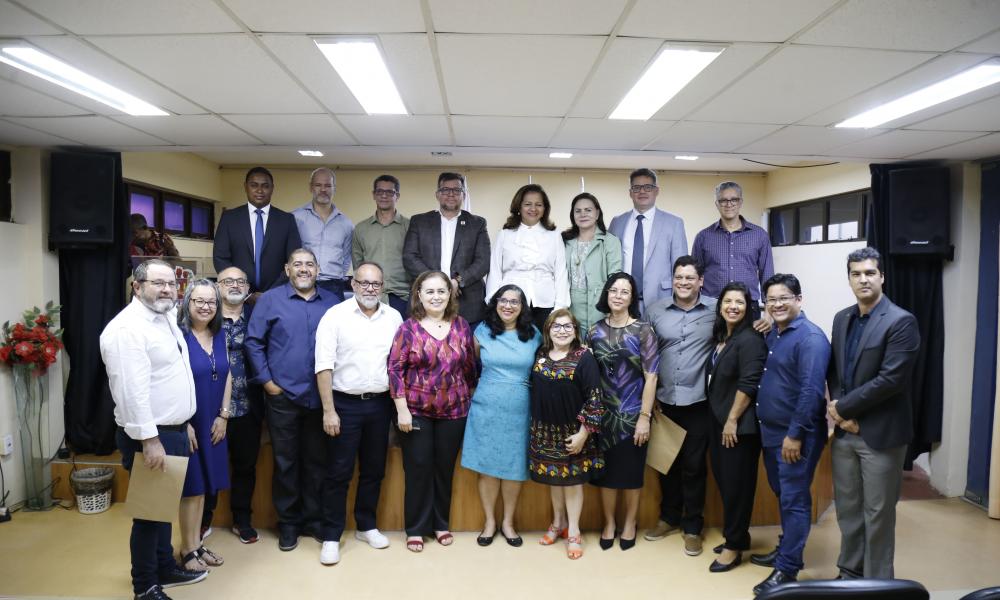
(200, 318)
(496, 433)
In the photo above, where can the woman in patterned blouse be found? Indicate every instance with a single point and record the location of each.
(432, 372)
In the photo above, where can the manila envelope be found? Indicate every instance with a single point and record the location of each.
(156, 495)
(665, 439)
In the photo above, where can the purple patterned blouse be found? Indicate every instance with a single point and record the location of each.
(435, 376)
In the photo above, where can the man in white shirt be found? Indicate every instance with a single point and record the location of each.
(153, 389)
(352, 349)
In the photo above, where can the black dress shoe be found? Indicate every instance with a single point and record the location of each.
(288, 538)
(178, 576)
(717, 567)
(718, 549)
(774, 579)
(485, 540)
(626, 544)
(515, 541)
(153, 593)
(764, 560)
(606, 543)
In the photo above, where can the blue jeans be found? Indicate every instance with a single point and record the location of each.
(790, 483)
(150, 546)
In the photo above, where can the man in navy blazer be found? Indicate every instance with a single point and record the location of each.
(661, 239)
(236, 243)
(875, 345)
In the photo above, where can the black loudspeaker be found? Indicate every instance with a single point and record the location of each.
(920, 211)
(82, 199)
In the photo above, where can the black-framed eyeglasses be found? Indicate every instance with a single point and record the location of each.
(645, 187)
(160, 283)
(567, 327)
(729, 201)
(232, 281)
(386, 193)
(201, 303)
(451, 191)
(374, 285)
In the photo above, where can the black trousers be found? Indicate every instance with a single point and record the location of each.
(337, 286)
(298, 443)
(539, 315)
(243, 437)
(400, 304)
(735, 471)
(364, 436)
(429, 455)
(682, 489)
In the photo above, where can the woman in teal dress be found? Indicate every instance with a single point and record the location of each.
(496, 433)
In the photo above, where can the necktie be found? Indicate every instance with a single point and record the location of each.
(258, 244)
(638, 250)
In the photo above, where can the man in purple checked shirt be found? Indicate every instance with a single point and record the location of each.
(733, 249)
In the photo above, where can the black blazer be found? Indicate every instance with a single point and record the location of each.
(737, 368)
(470, 257)
(880, 397)
(234, 246)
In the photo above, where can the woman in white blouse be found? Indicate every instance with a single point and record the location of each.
(530, 254)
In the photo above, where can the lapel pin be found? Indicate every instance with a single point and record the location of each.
(461, 222)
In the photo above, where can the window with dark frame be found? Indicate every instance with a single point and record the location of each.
(838, 218)
(171, 212)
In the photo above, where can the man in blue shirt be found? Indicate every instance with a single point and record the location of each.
(791, 406)
(327, 232)
(281, 338)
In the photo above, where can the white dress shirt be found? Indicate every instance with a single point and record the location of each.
(149, 373)
(628, 237)
(534, 259)
(356, 347)
(253, 220)
(448, 229)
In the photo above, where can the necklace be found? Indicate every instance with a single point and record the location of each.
(210, 355)
(613, 324)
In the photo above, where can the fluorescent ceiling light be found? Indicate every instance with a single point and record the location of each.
(310, 153)
(673, 69)
(359, 63)
(560, 155)
(965, 82)
(42, 65)
(686, 157)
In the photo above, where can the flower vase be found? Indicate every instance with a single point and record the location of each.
(32, 397)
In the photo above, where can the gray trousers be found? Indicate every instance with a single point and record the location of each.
(865, 490)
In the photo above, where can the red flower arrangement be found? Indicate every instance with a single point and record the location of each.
(35, 342)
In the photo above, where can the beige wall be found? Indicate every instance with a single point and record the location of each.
(787, 186)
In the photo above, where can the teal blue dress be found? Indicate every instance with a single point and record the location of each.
(496, 433)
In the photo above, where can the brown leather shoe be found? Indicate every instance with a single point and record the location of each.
(692, 544)
(662, 530)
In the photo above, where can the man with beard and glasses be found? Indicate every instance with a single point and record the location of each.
(352, 347)
(280, 340)
(327, 232)
(153, 390)
(246, 409)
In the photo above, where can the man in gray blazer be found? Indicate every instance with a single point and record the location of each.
(650, 250)
(453, 241)
(875, 346)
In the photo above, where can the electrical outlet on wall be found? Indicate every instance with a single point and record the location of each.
(7, 445)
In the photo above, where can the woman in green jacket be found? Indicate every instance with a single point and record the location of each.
(591, 255)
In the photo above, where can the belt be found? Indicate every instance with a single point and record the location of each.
(181, 427)
(363, 396)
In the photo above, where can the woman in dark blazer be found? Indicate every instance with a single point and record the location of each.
(732, 372)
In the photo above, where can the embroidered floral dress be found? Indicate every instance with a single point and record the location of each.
(565, 393)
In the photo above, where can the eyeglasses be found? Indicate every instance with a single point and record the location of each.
(780, 300)
(509, 302)
(375, 285)
(200, 303)
(567, 327)
(159, 283)
(729, 201)
(231, 281)
(646, 187)
(386, 193)
(451, 191)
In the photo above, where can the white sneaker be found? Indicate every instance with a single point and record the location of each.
(330, 553)
(374, 538)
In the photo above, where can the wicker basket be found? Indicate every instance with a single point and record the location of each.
(92, 487)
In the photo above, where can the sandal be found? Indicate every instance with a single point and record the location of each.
(415, 544)
(444, 538)
(552, 535)
(574, 547)
(194, 556)
(208, 557)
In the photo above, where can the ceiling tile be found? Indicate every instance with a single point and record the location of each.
(603, 134)
(905, 24)
(589, 17)
(95, 17)
(223, 73)
(329, 16)
(92, 130)
(305, 61)
(620, 68)
(292, 130)
(690, 136)
(19, 101)
(989, 44)
(16, 21)
(901, 144)
(982, 116)
(514, 75)
(986, 146)
(396, 130)
(798, 81)
(17, 135)
(722, 20)
(523, 132)
(411, 64)
(796, 140)
(190, 130)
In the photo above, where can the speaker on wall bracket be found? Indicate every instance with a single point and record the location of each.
(81, 200)
(920, 212)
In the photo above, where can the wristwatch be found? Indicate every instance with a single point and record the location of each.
(225, 413)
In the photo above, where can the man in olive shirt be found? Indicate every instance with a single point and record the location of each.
(380, 238)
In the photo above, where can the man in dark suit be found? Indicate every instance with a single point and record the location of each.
(875, 346)
(453, 241)
(257, 238)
